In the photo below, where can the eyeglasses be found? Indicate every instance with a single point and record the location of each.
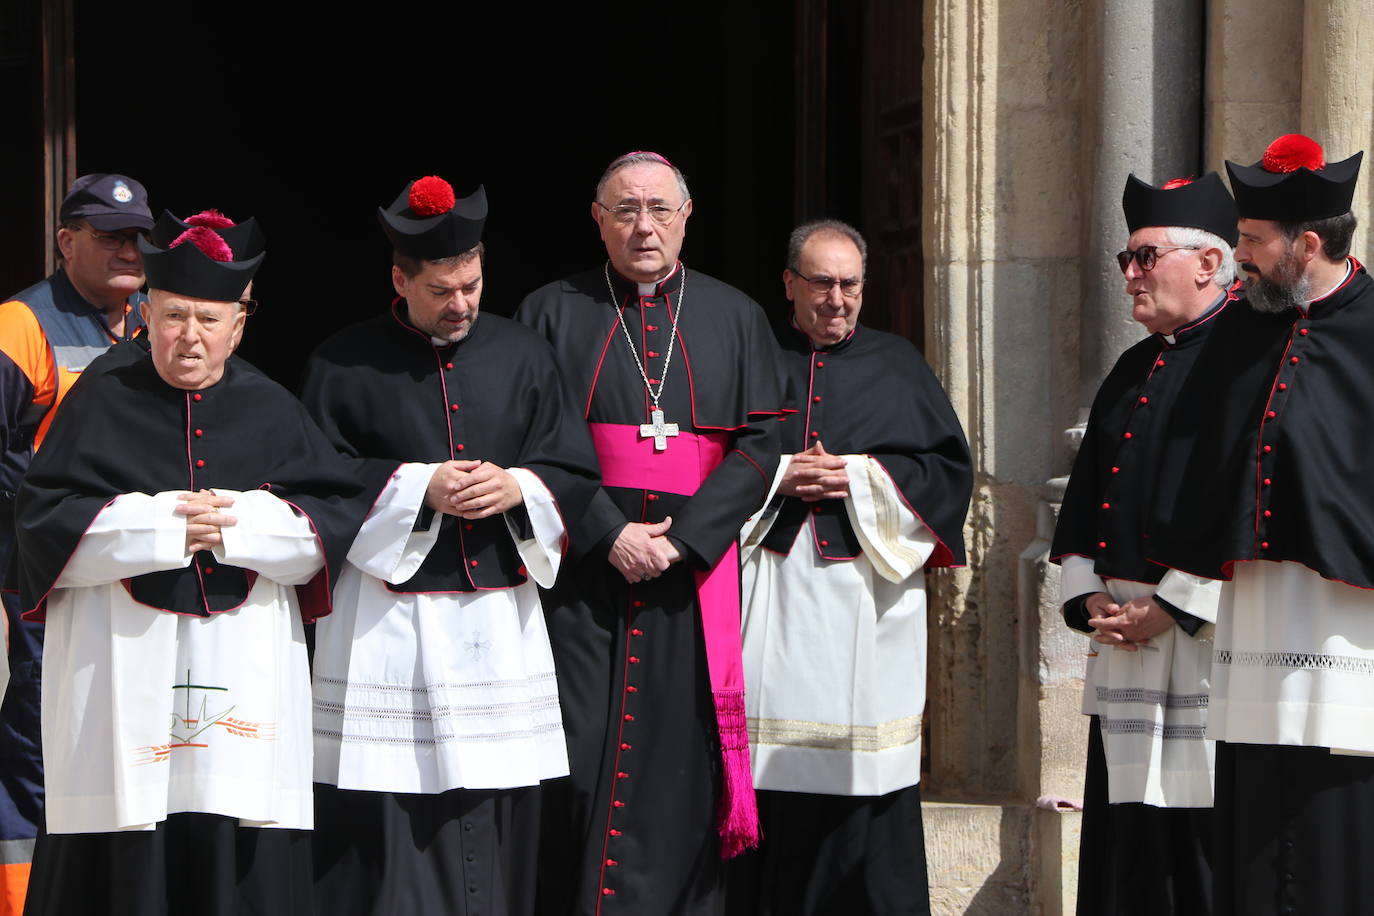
(1147, 255)
(111, 241)
(626, 214)
(850, 287)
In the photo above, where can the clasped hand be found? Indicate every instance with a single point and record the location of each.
(815, 474)
(1126, 626)
(642, 551)
(472, 489)
(204, 520)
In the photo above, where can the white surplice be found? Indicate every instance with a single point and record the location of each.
(427, 692)
(148, 713)
(1152, 704)
(835, 650)
(1294, 660)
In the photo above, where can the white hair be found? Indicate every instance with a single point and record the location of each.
(1192, 237)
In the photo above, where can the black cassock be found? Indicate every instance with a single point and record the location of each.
(123, 430)
(1134, 858)
(382, 389)
(634, 828)
(1314, 374)
(134, 433)
(1278, 467)
(873, 394)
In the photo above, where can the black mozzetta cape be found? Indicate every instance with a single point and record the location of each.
(124, 430)
(872, 393)
(1127, 453)
(382, 390)
(1280, 454)
(723, 377)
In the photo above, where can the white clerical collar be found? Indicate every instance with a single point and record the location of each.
(1172, 336)
(1344, 279)
(651, 289)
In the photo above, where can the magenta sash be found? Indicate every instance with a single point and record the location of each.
(629, 461)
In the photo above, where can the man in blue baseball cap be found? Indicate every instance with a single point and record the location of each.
(48, 334)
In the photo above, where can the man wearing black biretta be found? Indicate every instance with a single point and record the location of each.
(437, 711)
(184, 521)
(1148, 791)
(1276, 500)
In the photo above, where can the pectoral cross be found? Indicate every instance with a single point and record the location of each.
(659, 430)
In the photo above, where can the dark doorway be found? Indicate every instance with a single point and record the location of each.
(309, 120)
(858, 156)
(35, 161)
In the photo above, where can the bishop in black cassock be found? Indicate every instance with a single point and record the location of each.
(648, 670)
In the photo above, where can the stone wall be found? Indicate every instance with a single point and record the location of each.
(1034, 112)
(1002, 286)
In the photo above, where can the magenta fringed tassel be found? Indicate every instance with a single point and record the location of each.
(737, 816)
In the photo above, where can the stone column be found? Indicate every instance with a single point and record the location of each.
(1248, 105)
(1148, 82)
(1338, 91)
(1001, 283)
(1145, 70)
(1002, 210)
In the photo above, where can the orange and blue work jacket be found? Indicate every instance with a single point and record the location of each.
(48, 335)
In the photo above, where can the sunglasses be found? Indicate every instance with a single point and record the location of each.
(1147, 255)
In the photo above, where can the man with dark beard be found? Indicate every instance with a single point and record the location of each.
(1274, 498)
(1287, 285)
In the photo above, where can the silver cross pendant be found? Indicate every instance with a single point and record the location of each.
(657, 429)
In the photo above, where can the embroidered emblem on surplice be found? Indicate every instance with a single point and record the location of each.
(196, 710)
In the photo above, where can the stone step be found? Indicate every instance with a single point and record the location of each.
(979, 859)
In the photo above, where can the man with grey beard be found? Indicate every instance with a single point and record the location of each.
(1275, 499)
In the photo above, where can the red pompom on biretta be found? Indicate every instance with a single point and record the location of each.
(431, 196)
(210, 219)
(1292, 152)
(210, 243)
(1175, 183)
